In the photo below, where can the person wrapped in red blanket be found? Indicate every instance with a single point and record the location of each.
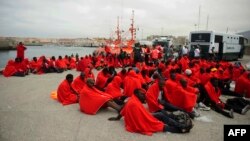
(102, 78)
(114, 88)
(213, 92)
(65, 93)
(182, 98)
(15, 68)
(92, 99)
(153, 96)
(139, 120)
(20, 51)
(79, 82)
(131, 82)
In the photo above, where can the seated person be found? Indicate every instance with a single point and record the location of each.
(213, 92)
(88, 73)
(154, 95)
(92, 99)
(131, 82)
(183, 98)
(242, 85)
(114, 89)
(16, 68)
(79, 82)
(138, 119)
(60, 64)
(52, 65)
(65, 93)
(10, 69)
(102, 78)
(34, 65)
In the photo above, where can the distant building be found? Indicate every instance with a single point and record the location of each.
(246, 34)
(180, 40)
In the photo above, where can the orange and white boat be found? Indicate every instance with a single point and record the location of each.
(114, 47)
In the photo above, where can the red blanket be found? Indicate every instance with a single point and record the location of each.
(101, 79)
(20, 51)
(65, 95)
(213, 95)
(89, 74)
(183, 99)
(78, 84)
(61, 64)
(113, 88)
(138, 119)
(131, 82)
(91, 100)
(171, 88)
(243, 85)
(152, 98)
(9, 69)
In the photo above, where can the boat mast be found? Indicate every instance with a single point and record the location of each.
(118, 33)
(132, 29)
(199, 18)
(207, 22)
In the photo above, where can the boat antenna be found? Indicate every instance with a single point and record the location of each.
(118, 33)
(199, 18)
(132, 29)
(207, 22)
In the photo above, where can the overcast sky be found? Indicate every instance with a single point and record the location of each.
(98, 18)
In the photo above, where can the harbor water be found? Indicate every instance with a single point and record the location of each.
(48, 51)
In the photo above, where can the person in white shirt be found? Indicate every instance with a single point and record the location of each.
(184, 50)
(197, 52)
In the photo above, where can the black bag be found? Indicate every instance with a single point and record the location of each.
(184, 119)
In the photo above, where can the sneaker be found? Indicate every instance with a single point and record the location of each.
(231, 113)
(247, 99)
(195, 113)
(203, 107)
(245, 109)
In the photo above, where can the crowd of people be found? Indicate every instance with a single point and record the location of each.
(182, 84)
(173, 87)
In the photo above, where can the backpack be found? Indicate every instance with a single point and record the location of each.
(184, 119)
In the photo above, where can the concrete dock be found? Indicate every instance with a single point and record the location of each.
(27, 113)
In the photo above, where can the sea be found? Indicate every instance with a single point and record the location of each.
(48, 51)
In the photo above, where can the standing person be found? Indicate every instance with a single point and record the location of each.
(197, 52)
(155, 54)
(168, 52)
(213, 54)
(20, 50)
(137, 51)
(184, 50)
(191, 52)
(147, 55)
